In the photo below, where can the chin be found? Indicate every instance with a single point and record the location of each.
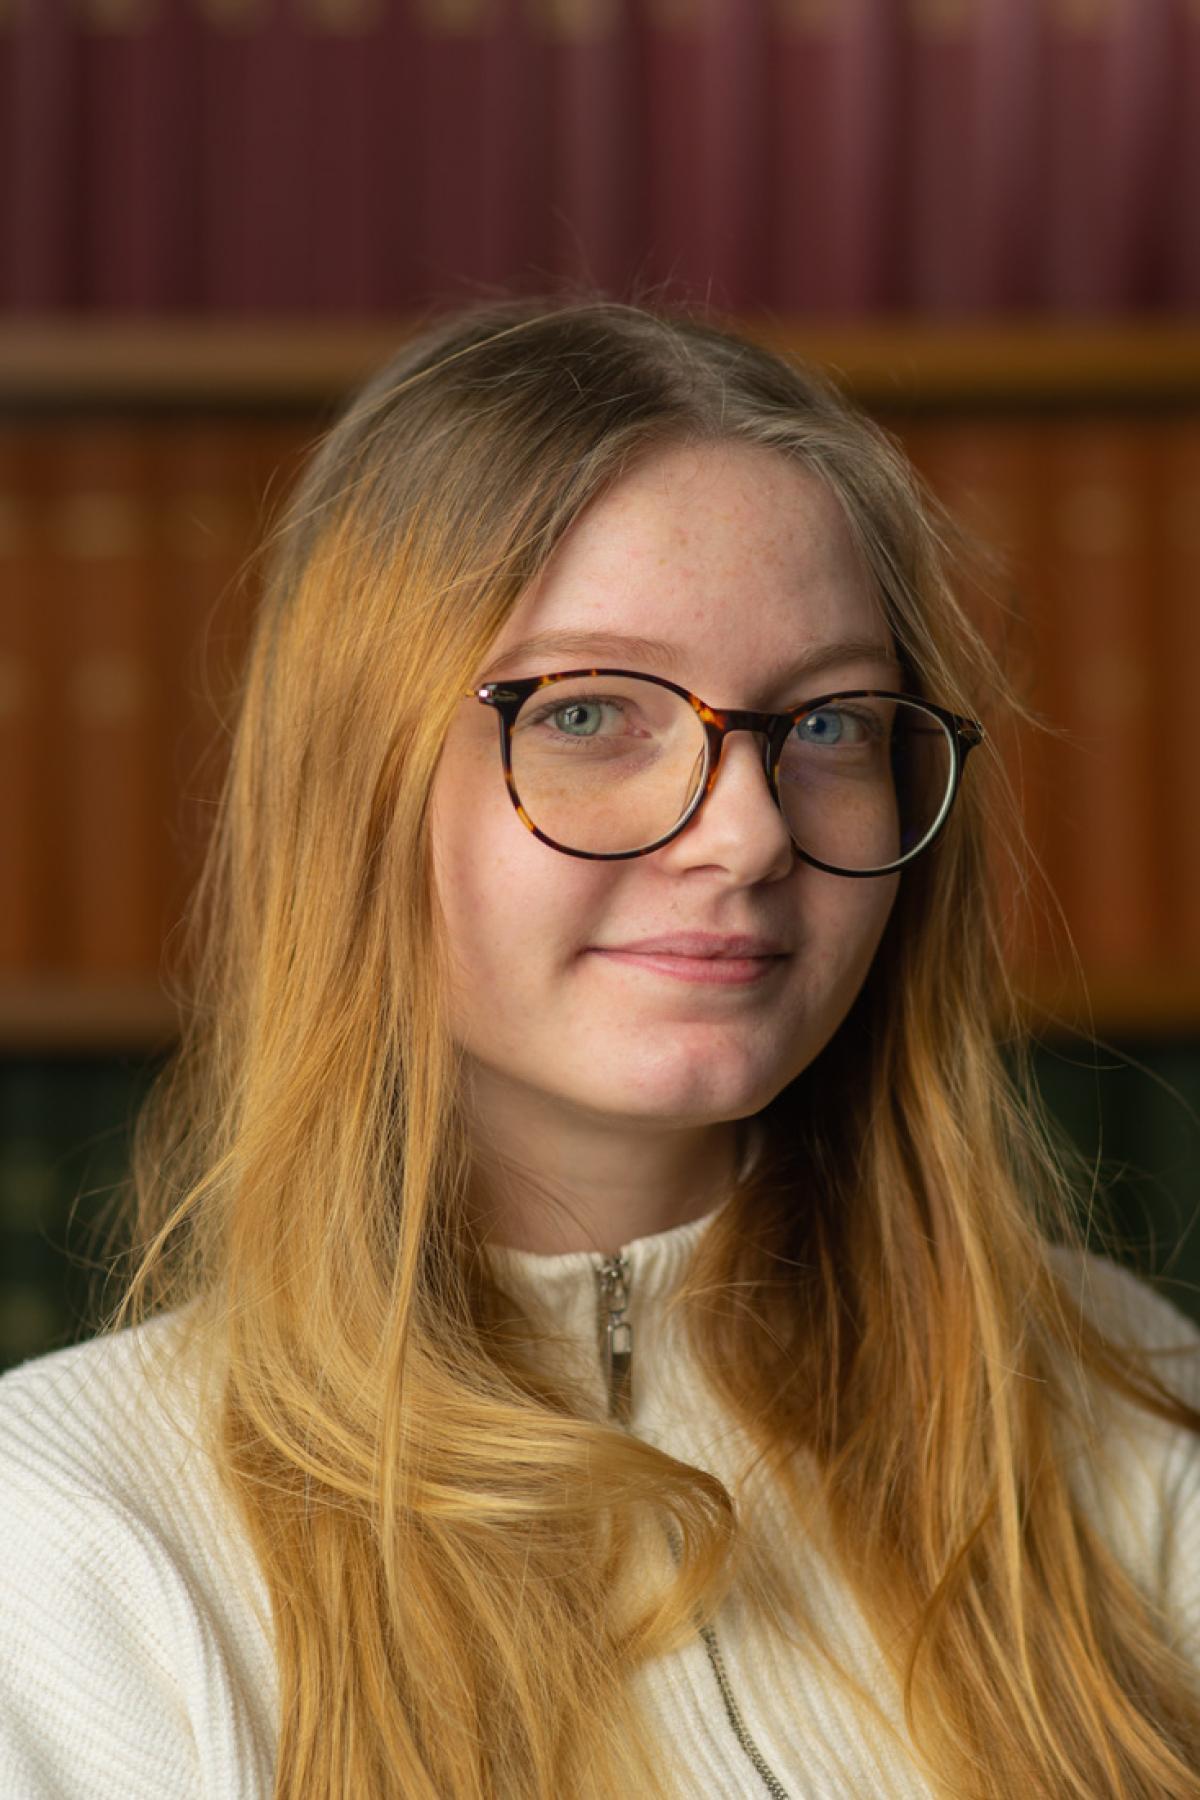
(680, 1105)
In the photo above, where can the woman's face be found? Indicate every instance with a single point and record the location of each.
(743, 564)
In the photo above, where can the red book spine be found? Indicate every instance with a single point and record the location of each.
(733, 187)
(594, 166)
(254, 216)
(1102, 584)
(1175, 688)
(39, 172)
(481, 148)
(1107, 67)
(140, 125)
(1180, 246)
(108, 599)
(831, 99)
(8, 77)
(985, 471)
(22, 694)
(704, 216)
(217, 487)
(671, 60)
(204, 492)
(972, 155)
(342, 173)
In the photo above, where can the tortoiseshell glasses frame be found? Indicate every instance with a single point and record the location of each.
(509, 696)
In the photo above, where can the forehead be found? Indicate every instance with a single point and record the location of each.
(733, 553)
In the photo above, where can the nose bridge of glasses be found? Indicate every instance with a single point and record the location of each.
(768, 727)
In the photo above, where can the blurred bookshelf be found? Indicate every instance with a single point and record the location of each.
(1133, 1114)
(141, 460)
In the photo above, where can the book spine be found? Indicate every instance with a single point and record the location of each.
(971, 154)
(108, 598)
(481, 141)
(41, 262)
(1102, 591)
(985, 472)
(832, 156)
(356, 211)
(216, 487)
(202, 489)
(1175, 692)
(1107, 80)
(22, 694)
(705, 205)
(670, 61)
(594, 164)
(255, 214)
(9, 62)
(141, 131)
(732, 219)
(1180, 175)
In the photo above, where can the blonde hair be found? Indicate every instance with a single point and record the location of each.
(442, 1527)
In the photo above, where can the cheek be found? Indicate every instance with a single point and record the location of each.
(473, 853)
(845, 927)
(514, 911)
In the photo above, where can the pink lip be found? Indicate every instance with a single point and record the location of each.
(701, 944)
(717, 971)
(701, 956)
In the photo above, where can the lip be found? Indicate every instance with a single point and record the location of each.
(701, 956)
(704, 944)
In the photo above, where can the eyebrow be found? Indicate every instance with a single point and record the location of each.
(663, 657)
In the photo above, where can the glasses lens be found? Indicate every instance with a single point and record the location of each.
(606, 763)
(865, 782)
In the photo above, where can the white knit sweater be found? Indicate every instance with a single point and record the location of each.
(135, 1642)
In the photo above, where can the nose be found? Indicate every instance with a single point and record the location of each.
(738, 822)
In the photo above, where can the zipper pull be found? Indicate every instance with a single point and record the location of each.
(617, 1348)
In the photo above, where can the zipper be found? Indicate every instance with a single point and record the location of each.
(617, 1344)
(733, 1713)
(613, 1277)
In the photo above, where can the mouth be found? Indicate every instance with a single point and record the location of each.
(709, 970)
(703, 944)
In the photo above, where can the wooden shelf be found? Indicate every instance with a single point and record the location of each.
(1149, 1003)
(1008, 361)
(42, 1015)
(56, 1015)
(298, 364)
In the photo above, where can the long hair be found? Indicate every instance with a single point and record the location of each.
(444, 1530)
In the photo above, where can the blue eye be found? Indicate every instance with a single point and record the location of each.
(825, 727)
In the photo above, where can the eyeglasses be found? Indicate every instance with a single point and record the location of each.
(610, 764)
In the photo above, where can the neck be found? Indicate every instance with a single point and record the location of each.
(551, 1180)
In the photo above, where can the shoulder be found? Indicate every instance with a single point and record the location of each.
(131, 1625)
(1132, 1312)
(1127, 1303)
(1138, 1475)
(112, 1429)
(1109, 1289)
(80, 1420)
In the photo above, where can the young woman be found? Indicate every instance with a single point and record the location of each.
(608, 1321)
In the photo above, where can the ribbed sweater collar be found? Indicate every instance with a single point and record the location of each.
(656, 1263)
(561, 1291)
